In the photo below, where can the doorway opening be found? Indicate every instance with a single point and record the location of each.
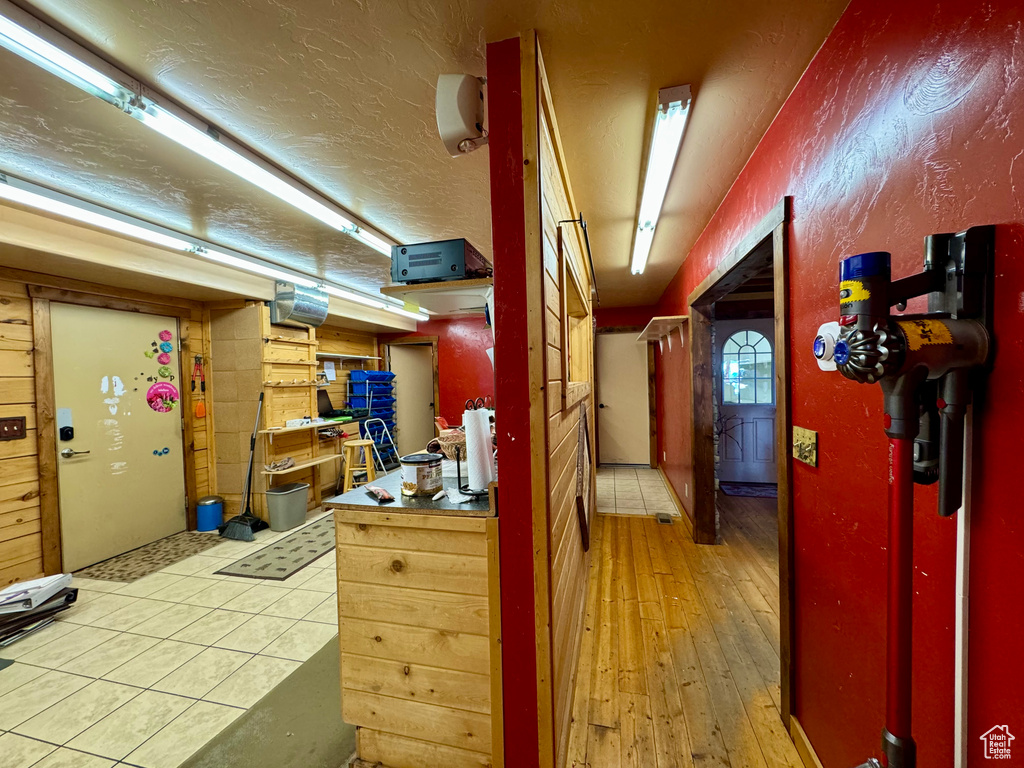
(741, 415)
(417, 390)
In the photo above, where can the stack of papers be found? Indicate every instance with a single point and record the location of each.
(28, 606)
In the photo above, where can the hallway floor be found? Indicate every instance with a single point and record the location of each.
(680, 663)
(632, 490)
(145, 674)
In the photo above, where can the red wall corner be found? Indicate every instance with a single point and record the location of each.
(512, 392)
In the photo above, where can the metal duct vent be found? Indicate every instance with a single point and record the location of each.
(298, 306)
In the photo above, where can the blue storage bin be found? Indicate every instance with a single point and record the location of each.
(365, 387)
(371, 376)
(379, 401)
(375, 414)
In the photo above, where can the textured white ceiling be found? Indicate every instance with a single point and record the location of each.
(341, 94)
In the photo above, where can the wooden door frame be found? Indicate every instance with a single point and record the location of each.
(652, 394)
(42, 296)
(744, 260)
(422, 341)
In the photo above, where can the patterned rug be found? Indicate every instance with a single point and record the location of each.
(757, 490)
(132, 566)
(289, 555)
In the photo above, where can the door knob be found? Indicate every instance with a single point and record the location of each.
(600, 405)
(67, 453)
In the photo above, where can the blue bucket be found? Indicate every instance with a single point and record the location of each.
(209, 513)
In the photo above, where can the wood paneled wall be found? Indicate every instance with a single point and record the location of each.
(21, 528)
(569, 340)
(21, 548)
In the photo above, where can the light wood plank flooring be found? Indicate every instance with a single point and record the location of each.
(680, 661)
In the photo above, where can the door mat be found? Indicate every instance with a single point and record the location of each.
(132, 566)
(287, 556)
(757, 490)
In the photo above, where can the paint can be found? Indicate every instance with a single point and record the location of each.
(421, 474)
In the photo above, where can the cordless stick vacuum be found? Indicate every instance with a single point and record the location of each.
(927, 366)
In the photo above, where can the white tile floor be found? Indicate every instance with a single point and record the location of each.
(627, 490)
(145, 674)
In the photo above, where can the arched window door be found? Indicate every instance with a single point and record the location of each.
(748, 370)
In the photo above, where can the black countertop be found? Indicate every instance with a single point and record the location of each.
(360, 498)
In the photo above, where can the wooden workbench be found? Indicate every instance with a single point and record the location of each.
(419, 629)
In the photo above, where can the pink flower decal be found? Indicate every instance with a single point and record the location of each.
(166, 336)
(163, 358)
(162, 397)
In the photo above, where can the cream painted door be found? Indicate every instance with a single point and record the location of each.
(117, 386)
(413, 366)
(623, 419)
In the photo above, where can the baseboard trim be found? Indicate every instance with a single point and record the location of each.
(803, 744)
(678, 502)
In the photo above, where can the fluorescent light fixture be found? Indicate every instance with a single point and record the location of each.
(370, 239)
(33, 196)
(669, 124)
(42, 53)
(16, 194)
(190, 134)
(209, 146)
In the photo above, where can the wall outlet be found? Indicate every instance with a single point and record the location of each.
(805, 446)
(12, 428)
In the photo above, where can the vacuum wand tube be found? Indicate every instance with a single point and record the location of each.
(924, 364)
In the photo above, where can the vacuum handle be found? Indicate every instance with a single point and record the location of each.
(951, 441)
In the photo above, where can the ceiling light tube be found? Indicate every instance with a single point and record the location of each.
(39, 198)
(669, 124)
(213, 148)
(29, 38)
(418, 316)
(17, 192)
(17, 36)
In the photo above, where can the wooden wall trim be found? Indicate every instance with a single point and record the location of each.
(38, 279)
(109, 302)
(620, 329)
(803, 745)
(705, 515)
(49, 505)
(784, 461)
(712, 288)
(530, 94)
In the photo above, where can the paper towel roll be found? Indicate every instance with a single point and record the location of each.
(479, 454)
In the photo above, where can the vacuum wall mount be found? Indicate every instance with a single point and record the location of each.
(928, 366)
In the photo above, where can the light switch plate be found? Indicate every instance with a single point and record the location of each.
(805, 446)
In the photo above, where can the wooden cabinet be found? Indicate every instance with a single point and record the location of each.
(419, 630)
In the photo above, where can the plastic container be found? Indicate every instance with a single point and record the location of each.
(365, 387)
(286, 505)
(421, 474)
(371, 376)
(209, 513)
(379, 401)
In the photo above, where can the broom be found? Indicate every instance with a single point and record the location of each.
(242, 527)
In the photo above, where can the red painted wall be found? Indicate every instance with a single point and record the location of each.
(607, 317)
(512, 390)
(463, 368)
(907, 122)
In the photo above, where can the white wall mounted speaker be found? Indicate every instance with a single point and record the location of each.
(459, 107)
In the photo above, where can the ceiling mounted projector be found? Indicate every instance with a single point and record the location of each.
(460, 113)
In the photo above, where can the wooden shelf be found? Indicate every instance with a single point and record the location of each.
(290, 340)
(346, 357)
(290, 384)
(303, 465)
(289, 362)
(660, 327)
(444, 298)
(304, 427)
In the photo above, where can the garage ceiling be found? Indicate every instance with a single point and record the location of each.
(341, 94)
